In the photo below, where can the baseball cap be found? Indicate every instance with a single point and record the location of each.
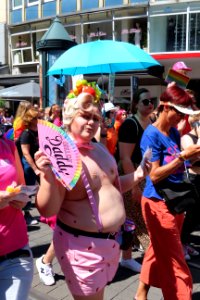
(109, 106)
(180, 65)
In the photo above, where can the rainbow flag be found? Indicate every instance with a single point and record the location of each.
(180, 79)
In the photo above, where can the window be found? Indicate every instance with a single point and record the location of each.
(16, 16)
(21, 41)
(74, 33)
(49, 8)
(22, 50)
(22, 56)
(194, 32)
(32, 12)
(16, 4)
(138, 1)
(133, 31)
(168, 33)
(32, 2)
(100, 31)
(113, 2)
(86, 4)
(68, 6)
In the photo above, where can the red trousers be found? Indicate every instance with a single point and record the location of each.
(164, 264)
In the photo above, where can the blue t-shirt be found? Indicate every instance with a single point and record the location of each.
(165, 149)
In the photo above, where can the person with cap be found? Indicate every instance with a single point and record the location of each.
(181, 68)
(109, 133)
(164, 265)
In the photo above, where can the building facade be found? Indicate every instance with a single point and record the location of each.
(174, 33)
(84, 21)
(168, 30)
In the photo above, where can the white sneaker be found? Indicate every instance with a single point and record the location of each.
(45, 271)
(30, 220)
(138, 248)
(131, 264)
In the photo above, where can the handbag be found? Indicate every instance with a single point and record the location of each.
(180, 197)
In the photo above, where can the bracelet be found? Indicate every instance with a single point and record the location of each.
(182, 157)
(103, 135)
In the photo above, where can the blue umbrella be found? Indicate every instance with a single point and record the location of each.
(102, 57)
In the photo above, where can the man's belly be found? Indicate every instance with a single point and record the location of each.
(78, 213)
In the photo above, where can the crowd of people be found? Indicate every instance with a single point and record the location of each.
(117, 182)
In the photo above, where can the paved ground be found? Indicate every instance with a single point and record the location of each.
(123, 286)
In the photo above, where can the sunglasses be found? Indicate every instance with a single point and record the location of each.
(146, 102)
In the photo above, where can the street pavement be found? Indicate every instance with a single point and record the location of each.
(123, 286)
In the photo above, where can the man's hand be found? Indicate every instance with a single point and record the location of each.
(42, 161)
(143, 170)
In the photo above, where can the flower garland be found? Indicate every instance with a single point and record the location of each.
(83, 86)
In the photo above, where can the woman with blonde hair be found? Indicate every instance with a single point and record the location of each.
(27, 145)
(18, 124)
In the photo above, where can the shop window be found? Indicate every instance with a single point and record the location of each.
(27, 55)
(168, 33)
(74, 32)
(101, 31)
(133, 31)
(19, 41)
(17, 57)
(22, 56)
(68, 6)
(194, 32)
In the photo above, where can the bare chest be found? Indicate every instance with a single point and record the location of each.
(100, 170)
